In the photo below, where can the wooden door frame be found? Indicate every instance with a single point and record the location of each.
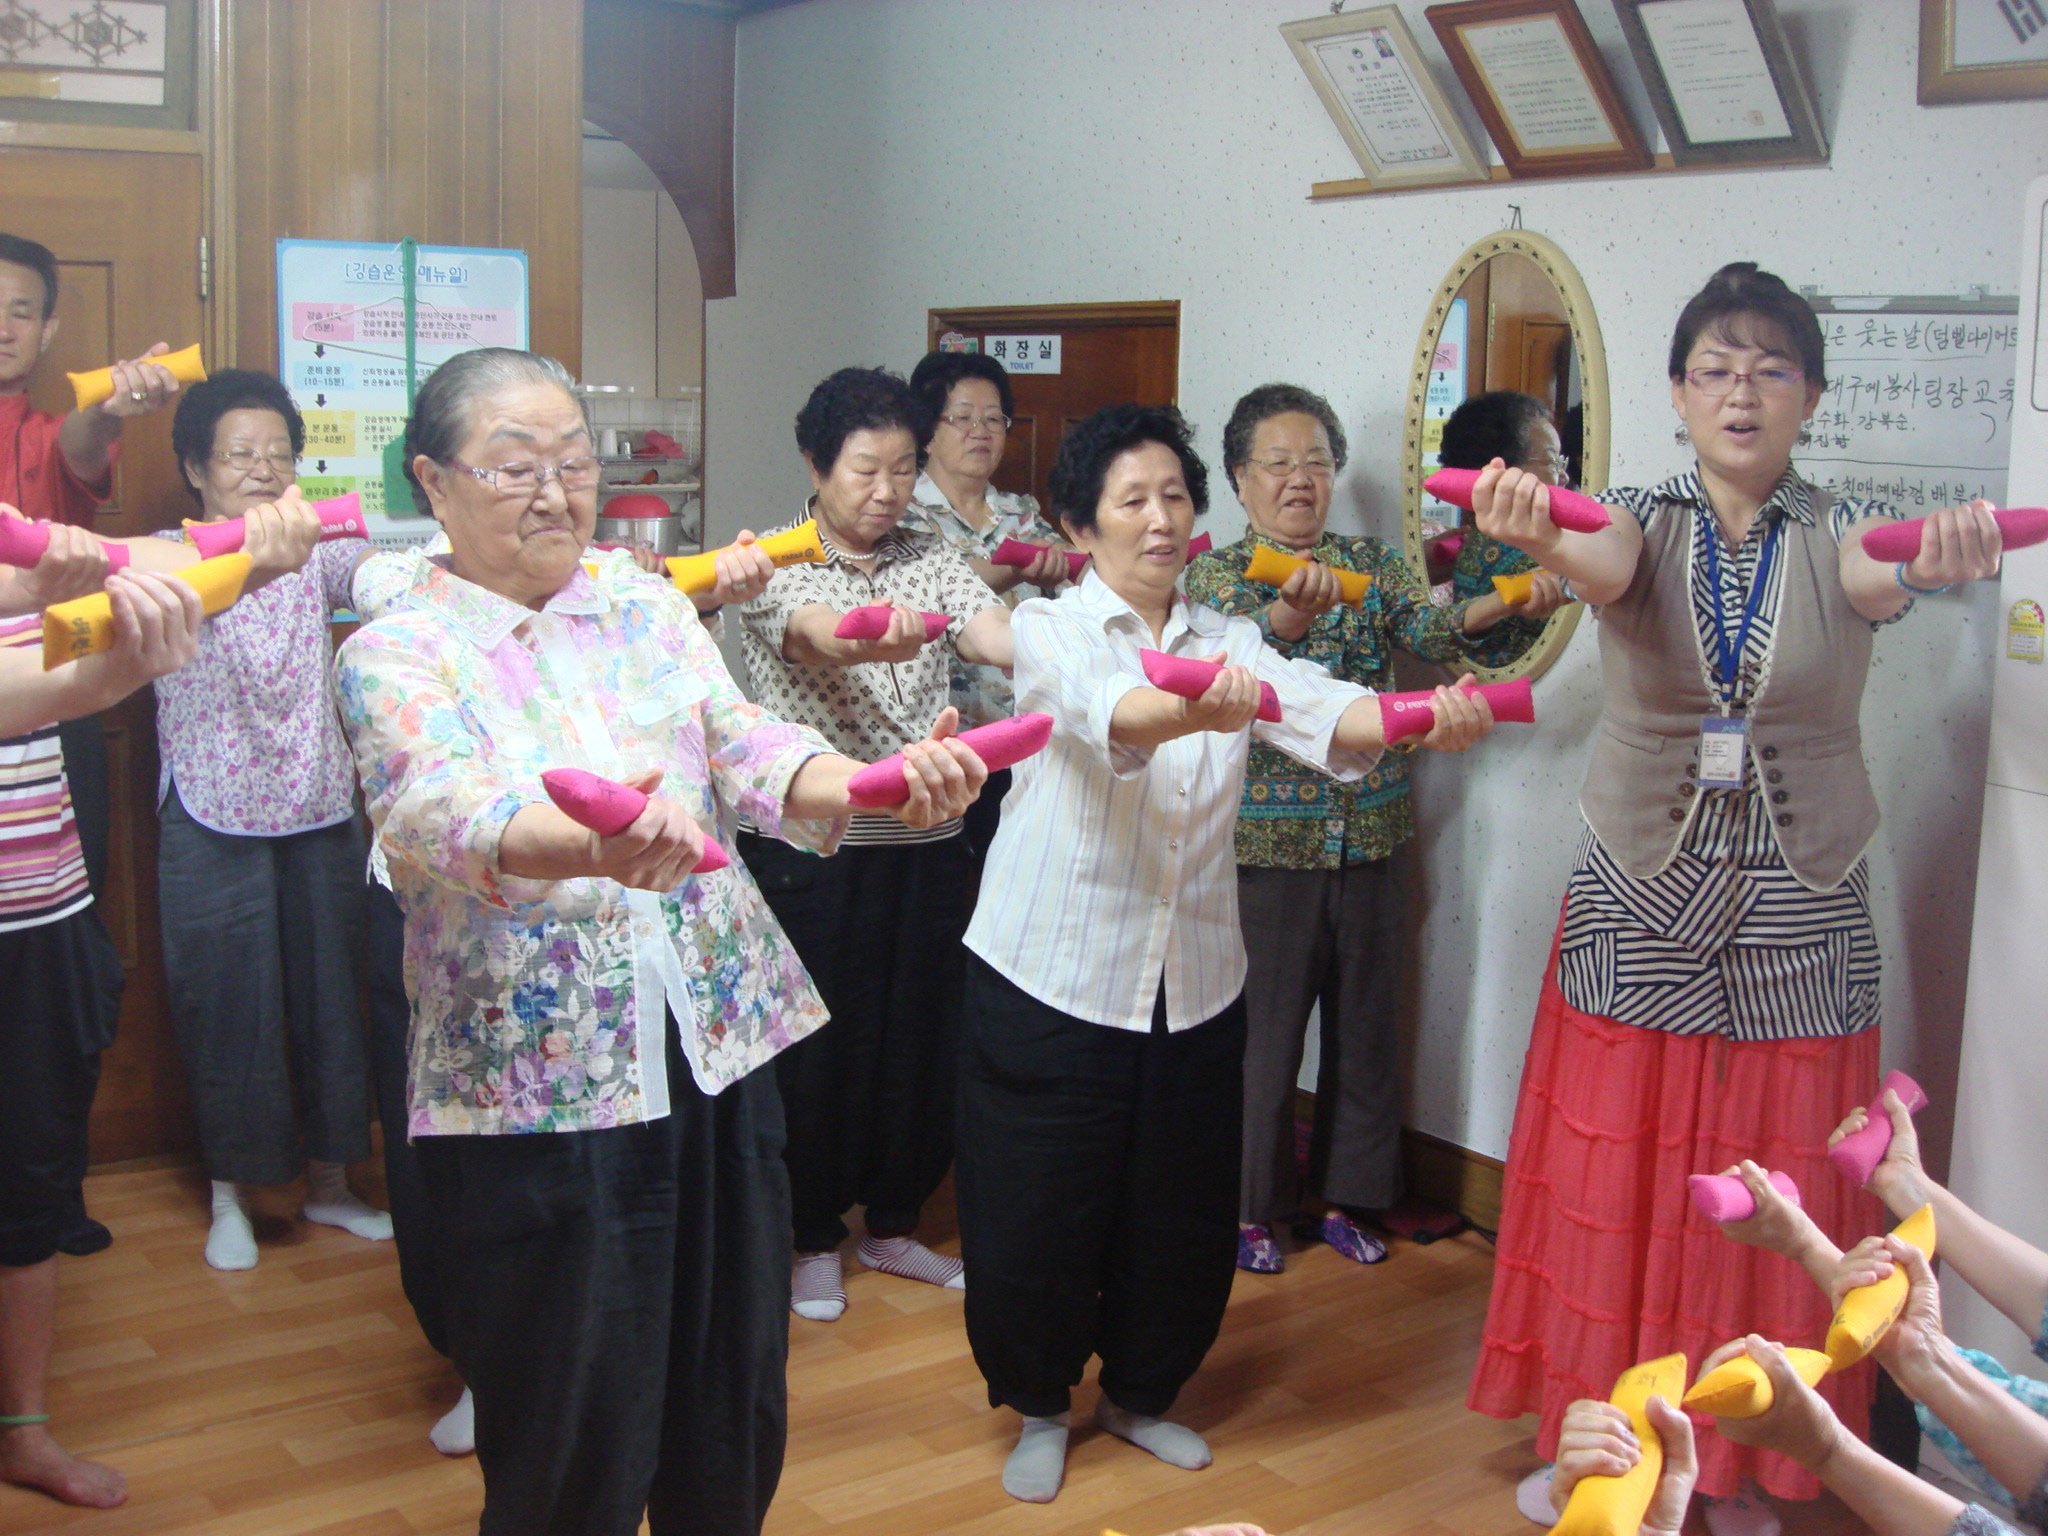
(1163, 313)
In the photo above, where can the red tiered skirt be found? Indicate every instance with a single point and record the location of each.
(1603, 1262)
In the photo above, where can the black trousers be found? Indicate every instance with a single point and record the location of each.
(63, 984)
(618, 1300)
(1098, 1196)
(390, 1024)
(869, 1098)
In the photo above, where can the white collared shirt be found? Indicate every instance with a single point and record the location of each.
(1115, 867)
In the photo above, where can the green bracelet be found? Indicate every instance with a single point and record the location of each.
(22, 1420)
(1899, 575)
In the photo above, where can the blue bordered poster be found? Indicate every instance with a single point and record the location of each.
(341, 349)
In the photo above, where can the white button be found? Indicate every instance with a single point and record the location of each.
(1164, 902)
(1183, 789)
(646, 930)
(1174, 844)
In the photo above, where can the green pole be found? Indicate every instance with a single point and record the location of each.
(397, 493)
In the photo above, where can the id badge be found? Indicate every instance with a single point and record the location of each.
(1723, 742)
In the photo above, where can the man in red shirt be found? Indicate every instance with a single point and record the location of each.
(58, 467)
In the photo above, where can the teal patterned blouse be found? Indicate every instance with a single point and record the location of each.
(1482, 559)
(1293, 817)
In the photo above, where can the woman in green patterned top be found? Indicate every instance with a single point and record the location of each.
(1316, 892)
(1515, 428)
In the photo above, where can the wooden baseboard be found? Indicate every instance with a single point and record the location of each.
(1454, 1177)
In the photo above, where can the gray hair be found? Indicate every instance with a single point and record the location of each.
(1270, 400)
(441, 412)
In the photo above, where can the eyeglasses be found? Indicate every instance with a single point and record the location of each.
(1556, 463)
(1716, 382)
(1285, 466)
(961, 421)
(244, 460)
(526, 479)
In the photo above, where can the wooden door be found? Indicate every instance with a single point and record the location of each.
(125, 230)
(1109, 354)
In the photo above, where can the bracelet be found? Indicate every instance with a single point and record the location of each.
(1899, 575)
(22, 1420)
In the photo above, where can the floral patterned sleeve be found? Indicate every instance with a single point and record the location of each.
(439, 802)
(753, 756)
(1415, 623)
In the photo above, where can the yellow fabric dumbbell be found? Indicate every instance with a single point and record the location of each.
(86, 624)
(97, 384)
(1615, 1506)
(1271, 567)
(797, 546)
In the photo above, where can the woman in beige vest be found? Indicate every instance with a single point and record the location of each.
(1713, 992)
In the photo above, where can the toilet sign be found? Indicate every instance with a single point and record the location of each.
(1024, 354)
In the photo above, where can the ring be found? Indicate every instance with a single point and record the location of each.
(134, 394)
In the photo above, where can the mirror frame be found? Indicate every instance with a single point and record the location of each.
(1592, 360)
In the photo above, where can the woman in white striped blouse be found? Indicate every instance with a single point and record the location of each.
(1102, 1063)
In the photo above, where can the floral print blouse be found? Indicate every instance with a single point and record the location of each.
(538, 1005)
(248, 730)
(981, 694)
(1293, 817)
(1480, 559)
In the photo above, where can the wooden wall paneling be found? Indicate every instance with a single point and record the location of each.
(457, 122)
(658, 77)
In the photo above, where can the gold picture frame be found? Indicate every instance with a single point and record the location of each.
(1992, 67)
(1378, 90)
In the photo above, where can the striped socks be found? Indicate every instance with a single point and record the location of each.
(907, 1257)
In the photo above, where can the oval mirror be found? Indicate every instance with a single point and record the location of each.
(1511, 314)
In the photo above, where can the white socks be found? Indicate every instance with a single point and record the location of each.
(1039, 1463)
(454, 1433)
(232, 1242)
(1174, 1444)
(907, 1257)
(332, 1203)
(1532, 1496)
(817, 1290)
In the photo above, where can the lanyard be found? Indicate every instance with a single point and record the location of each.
(1731, 656)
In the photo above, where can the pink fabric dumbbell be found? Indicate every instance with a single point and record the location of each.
(998, 744)
(1190, 677)
(608, 807)
(2017, 528)
(1414, 714)
(1724, 1197)
(871, 622)
(1200, 544)
(341, 517)
(1446, 548)
(1568, 508)
(1857, 1154)
(23, 543)
(1015, 552)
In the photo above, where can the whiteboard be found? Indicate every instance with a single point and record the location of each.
(1918, 408)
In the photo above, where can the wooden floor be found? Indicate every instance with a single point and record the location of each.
(294, 1400)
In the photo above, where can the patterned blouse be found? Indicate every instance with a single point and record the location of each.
(982, 693)
(1293, 817)
(1480, 559)
(248, 731)
(537, 1005)
(2031, 1390)
(869, 710)
(1725, 939)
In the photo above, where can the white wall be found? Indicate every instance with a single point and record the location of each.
(643, 298)
(899, 155)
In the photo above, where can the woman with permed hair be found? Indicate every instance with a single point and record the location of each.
(968, 410)
(1103, 1052)
(1713, 989)
(1318, 884)
(260, 861)
(1515, 428)
(878, 925)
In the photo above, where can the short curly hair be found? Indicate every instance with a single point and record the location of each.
(855, 400)
(1266, 402)
(1093, 443)
(197, 421)
(1739, 291)
(1494, 425)
(936, 373)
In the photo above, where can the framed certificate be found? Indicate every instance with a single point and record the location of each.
(1535, 75)
(1725, 85)
(1982, 50)
(1377, 88)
